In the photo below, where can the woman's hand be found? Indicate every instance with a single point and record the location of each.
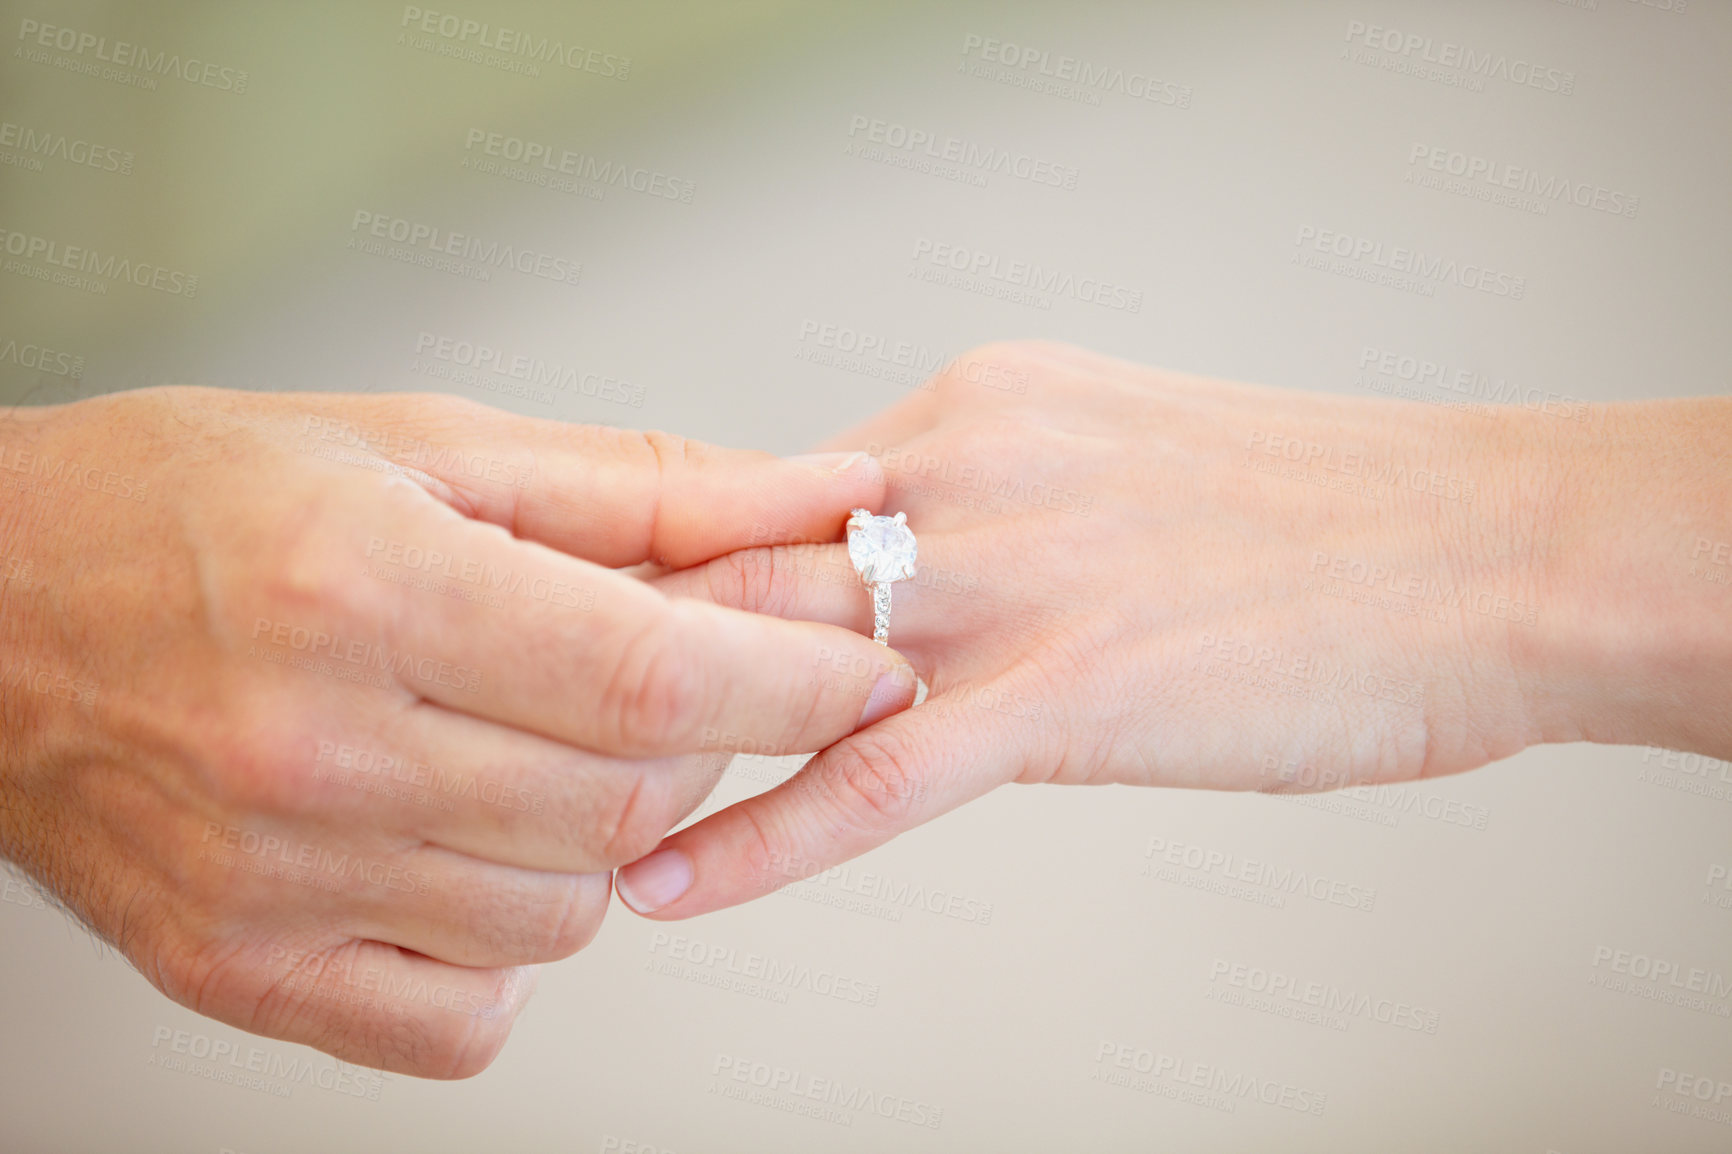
(1135, 576)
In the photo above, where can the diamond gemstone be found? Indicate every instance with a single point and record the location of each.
(881, 549)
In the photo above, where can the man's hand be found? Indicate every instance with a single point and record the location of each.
(1135, 576)
(333, 713)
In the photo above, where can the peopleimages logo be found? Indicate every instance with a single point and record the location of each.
(1067, 76)
(1699, 1087)
(335, 976)
(1415, 51)
(134, 57)
(791, 1090)
(534, 372)
(1265, 875)
(1303, 668)
(440, 460)
(462, 32)
(1378, 476)
(41, 358)
(987, 160)
(757, 975)
(1326, 998)
(938, 262)
(894, 894)
(88, 263)
(387, 774)
(362, 656)
(479, 572)
(51, 471)
(71, 149)
(978, 478)
(48, 682)
(1497, 176)
(1663, 980)
(1370, 259)
(314, 863)
(225, 1061)
(438, 242)
(1374, 574)
(1471, 383)
(552, 158)
(1151, 1072)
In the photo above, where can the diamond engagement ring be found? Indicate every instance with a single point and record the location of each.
(882, 549)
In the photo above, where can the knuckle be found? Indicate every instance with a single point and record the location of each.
(438, 1043)
(767, 859)
(1011, 356)
(1007, 438)
(543, 922)
(198, 975)
(878, 783)
(583, 818)
(622, 826)
(462, 412)
(470, 1051)
(1003, 351)
(237, 982)
(636, 830)
(285, 995)
(671, 447)
(253, 766)
(415, 1044)
(756, 580)
(656, 693)
(577, 920)
(601, 821)
(306, 572)
(483, 921)
(427, 416)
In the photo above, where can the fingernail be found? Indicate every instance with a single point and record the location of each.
(650, 883)
(888, 694)
(831, 462)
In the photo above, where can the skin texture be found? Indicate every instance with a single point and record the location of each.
(319, 786)
(1140, 577)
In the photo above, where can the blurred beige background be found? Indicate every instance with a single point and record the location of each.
(1534, 957)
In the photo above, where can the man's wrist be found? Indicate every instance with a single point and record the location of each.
(32, 688)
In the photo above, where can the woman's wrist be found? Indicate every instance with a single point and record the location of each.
(1634, 639)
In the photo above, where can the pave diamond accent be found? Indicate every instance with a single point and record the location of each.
(881, 613)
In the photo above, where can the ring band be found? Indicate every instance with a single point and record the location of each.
(881, 612)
